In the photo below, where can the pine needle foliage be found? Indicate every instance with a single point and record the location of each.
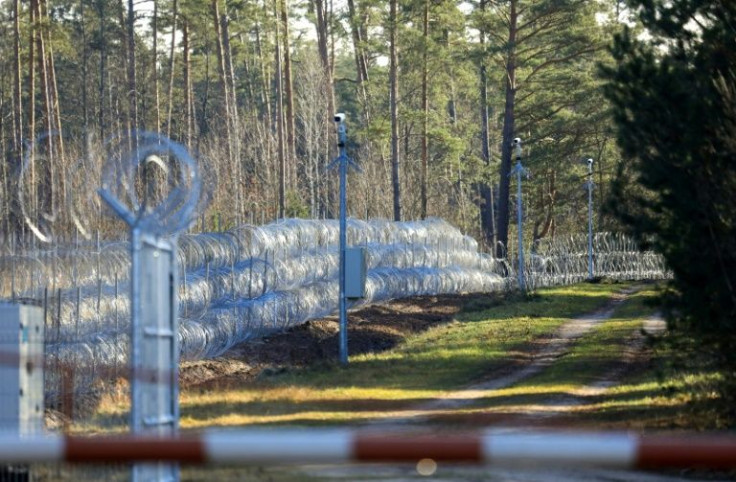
(674, 98)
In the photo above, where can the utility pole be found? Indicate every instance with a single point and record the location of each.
(589, 185)
(519, 171)
(343, 162)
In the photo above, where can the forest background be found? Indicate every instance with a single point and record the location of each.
(434, 92)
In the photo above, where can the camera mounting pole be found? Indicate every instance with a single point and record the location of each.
(343, 162)
(589, 185)
(519, 171)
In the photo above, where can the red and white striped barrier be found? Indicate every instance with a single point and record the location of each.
(343, 446)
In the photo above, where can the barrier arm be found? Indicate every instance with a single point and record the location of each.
(593, 449)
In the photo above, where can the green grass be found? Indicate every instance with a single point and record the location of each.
(595, 355)
(659, 394)
(422, 368)
(488, 334)
(449, 356)
(683, 396)
(600, 349)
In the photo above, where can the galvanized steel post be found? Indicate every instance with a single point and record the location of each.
(154, 342)
(343, 160)
(519, 170)
(590, 218)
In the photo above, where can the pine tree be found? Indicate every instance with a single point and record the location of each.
(674, 98)
(539, 46)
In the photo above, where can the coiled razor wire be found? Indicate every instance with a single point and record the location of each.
(252, 281)
(615, 256)
(151, 182)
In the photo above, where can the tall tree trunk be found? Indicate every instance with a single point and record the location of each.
(156, 80)
(288, 90)
(223, 77)
(103, 67)
(360, 36)
(394, 108)
(233, 118)
(360, 59)
(323, 35)
(85, 74)
(543, 226)
(230, 72)
(33, 31)
(203, 119)
(265, 100)
(7, 201)
(249, 104)
(119, 115)
(279, 120)
(425, 112)
(132, 82)
(172, 64)
(12, 219)
(55, 110)
(485, 186)
(17, 85)
(488, 221)
(3, 134)
(508, 135)
(188, 85)
(47, 185)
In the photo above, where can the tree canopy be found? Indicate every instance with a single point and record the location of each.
(250, 88)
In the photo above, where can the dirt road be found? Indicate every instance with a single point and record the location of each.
(381, 327)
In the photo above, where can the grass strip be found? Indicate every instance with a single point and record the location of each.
(422, 368)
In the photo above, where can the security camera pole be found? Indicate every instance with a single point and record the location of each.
(343, 161)
(589, 184)
(519, 170)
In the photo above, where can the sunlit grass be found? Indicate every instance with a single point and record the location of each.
(492, 333)
(660, 398)
(598, 350)
(426, 366)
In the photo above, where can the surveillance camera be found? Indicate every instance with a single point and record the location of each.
(516, 145)
(340, 117)
(589, 161)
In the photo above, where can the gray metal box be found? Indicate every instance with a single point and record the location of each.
(21, 369)
(355, 272)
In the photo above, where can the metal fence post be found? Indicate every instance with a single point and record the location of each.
(154, 342)
(589, 185)
(519, 171)
(343, 162)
